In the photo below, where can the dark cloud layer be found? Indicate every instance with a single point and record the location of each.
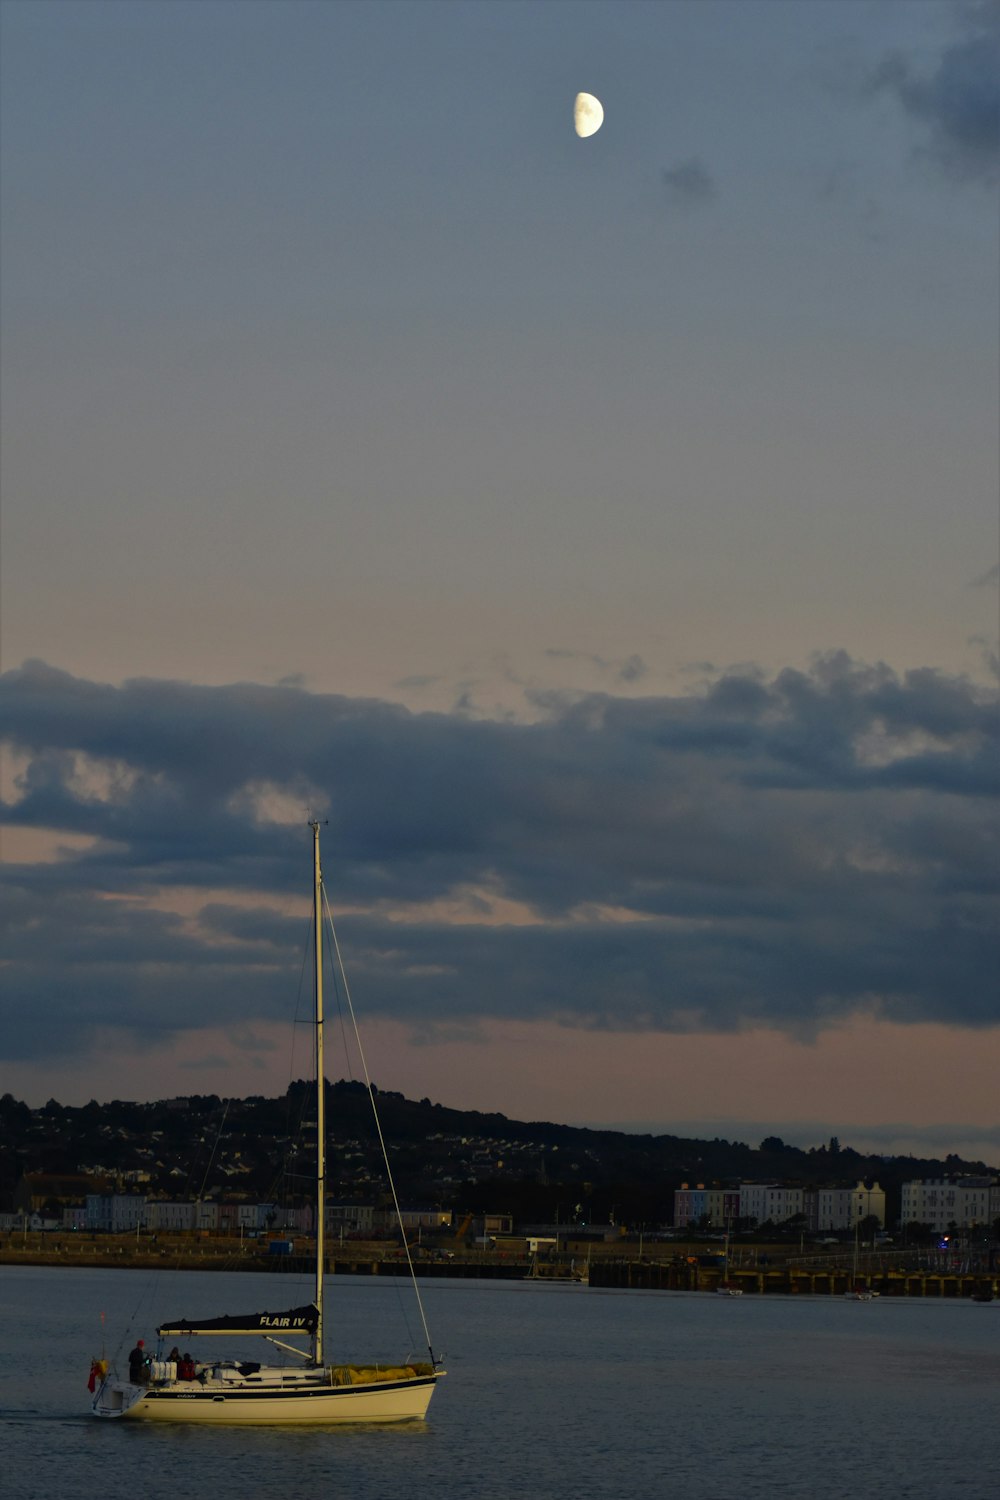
(786, 850)
(957, 100)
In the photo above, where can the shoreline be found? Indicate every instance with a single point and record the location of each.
(680, 1272)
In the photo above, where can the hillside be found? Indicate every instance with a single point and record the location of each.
(258, 1149)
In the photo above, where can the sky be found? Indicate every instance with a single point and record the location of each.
(602, 535)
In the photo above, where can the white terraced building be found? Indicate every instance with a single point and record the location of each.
(833, 1208)
(769, 1202)
(943, 1201)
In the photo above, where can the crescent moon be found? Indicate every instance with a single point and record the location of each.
(588, 114)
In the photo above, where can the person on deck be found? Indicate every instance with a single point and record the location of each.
(138, 1364)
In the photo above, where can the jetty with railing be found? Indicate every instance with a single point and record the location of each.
(688, 1267)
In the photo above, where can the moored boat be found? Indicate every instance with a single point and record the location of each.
(727, 1288)
(859, 1290)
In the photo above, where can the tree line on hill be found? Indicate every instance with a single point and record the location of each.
(470, 1161)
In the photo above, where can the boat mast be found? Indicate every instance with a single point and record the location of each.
(320, 1094)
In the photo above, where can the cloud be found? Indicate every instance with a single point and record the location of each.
(783, 850)
(627, 669)
(957, 99)
(418, 680)
(688, 183)
(989, 579)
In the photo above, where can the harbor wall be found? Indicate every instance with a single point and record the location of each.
(678, 1272)
(794, 1280)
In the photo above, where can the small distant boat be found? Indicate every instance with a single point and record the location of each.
(727, 1288)
(580, 1274)
(859, 1291)
(244, 1391)
(983, 1294)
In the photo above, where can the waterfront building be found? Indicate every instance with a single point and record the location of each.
(206, 1214)
(722, 1205)
(413, 1218)
(348, 1218)
(829, 1209)
(166, 1217)
(717, 1206)
(690, 1205)
(769, 1202)
(943, 1202)
(115, 1213)
(493, 1224)
(37, 1189)
(253, 1218)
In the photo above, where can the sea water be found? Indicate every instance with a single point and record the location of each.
(555, 1391)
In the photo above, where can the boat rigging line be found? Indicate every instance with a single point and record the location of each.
(339, 967)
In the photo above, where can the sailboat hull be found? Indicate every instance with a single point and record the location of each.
(316, 1403)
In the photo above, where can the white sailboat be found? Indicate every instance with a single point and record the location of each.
(858, 1291)
(727, 1288)
(234, 1391)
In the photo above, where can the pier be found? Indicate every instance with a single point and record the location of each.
(792, 1280)
(686, 1269)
